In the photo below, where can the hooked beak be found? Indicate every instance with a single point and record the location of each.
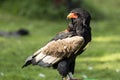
(72, 15)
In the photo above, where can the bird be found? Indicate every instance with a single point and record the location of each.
(61, 51)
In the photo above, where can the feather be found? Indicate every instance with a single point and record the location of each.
(27, 62)
(47, 61)
(37, 58)
(54, 51)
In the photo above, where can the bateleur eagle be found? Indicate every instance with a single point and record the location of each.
(61, 51)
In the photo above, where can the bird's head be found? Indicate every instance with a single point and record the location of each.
(79, 15)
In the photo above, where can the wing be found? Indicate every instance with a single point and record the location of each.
(61, 46)
(56, 50)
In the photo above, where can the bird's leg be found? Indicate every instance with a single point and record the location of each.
(70, 77)
(64, 78)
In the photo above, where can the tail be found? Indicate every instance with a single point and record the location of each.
(28, 62)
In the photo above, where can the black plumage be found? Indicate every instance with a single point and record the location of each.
(61, 52)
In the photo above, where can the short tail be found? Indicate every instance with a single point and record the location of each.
(28, 62)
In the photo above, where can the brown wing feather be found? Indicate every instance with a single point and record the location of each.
(56, 50)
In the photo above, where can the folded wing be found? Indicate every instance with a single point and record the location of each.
(56, 50)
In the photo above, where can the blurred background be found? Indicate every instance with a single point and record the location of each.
(27, 25)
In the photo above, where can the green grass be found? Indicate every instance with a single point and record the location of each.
(99, 62)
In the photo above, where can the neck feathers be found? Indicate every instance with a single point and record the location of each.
(80, 29)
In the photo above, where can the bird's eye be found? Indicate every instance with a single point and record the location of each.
(77, 14)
